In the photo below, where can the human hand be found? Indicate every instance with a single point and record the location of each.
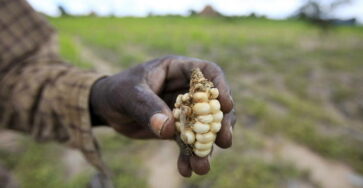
(137, 103)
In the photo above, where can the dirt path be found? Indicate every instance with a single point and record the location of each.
(99, 64)
(74, 163)
(163, 172)
(327, 173)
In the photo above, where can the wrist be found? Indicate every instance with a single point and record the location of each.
(95, 99)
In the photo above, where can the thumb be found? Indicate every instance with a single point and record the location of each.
(148, 109)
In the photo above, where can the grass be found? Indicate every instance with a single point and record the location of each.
(291, 61)
(286, 77)
(247, 171)
(71, 52)
(246, 165)
(118, 151)
(39, 165)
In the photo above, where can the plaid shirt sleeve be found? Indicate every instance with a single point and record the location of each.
(39, 93)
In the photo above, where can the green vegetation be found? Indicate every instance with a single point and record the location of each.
(288, 79)
(246, 164)
(246, 171)
(120, 154)
(39, 165)
(42, 164)
(70, 51)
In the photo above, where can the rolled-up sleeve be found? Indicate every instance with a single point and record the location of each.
(40, 94)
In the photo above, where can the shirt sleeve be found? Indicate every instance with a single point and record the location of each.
(40, 94)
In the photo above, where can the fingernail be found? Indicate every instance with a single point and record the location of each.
(231, 130)
(157, 122)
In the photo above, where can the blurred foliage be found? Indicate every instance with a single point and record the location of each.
(285, 75)
(121, 155)
(42, 164)
(229, 171)
(247, 165)
(70, 51)
(38, 165)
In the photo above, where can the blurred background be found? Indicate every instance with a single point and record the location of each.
(296, 72)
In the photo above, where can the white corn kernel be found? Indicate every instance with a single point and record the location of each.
(202, 153)
(188, 136)
(205, 118)
(214, 105)
(178, 126)
(215, 127)
(201, 108)
(176, 113)
(202, 146)
(206, 137)
(217, 117)
(185, 97)
(178, 101)
(200, 97)
(200, 127)
(214, 93)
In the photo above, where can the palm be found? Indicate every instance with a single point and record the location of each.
(133, 129)
(128, 101)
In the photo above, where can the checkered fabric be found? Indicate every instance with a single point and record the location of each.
(40, 94)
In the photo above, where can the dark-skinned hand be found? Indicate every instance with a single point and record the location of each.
(138, 102)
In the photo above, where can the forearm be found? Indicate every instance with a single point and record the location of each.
(48, 101)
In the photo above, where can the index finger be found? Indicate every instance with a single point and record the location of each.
(215, 74)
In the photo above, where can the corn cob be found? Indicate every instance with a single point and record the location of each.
(197, 115)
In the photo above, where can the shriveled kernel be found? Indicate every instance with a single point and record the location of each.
(200, 127)
(187, 110)
(176, 113)
(214, 93)
(215, 126)
(217, 117)
(206, 137)
(185, 97)
(202, 146)
(201, 108)
(200, 97)
(188, 136)
(205, 118)
(214, 105)
(202, 153)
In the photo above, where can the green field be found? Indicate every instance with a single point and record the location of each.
(289, 80)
